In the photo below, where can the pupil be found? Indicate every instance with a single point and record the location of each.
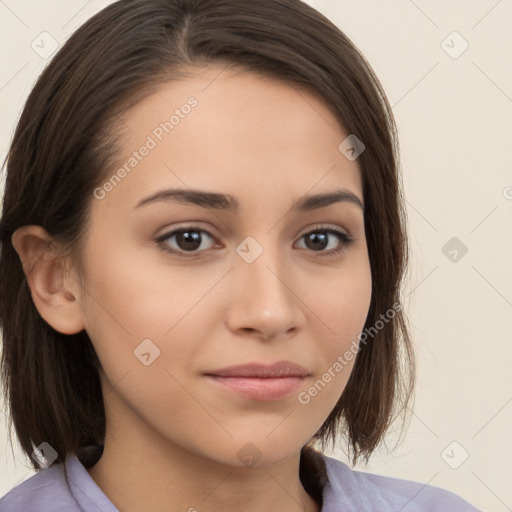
(188, 240)
(317, 241)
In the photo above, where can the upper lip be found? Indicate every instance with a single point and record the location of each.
(262, 371)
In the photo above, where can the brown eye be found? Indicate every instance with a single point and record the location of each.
(331, 239)
(183, 240)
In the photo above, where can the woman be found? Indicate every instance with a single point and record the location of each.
(203, 242)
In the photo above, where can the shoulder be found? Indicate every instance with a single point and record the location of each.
(45, 491)
(369, 492)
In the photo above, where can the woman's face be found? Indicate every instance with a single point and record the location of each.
(265, 282)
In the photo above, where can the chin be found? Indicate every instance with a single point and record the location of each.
(259, 449)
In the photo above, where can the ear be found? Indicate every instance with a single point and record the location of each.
(53, 290)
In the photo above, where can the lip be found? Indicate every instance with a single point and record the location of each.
(258, 381)
(262, 371)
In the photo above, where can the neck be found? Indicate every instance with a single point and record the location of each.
(134, 482)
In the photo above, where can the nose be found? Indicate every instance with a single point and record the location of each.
(262, 299)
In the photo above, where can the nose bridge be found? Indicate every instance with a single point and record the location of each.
(260, 268)
(262, 297)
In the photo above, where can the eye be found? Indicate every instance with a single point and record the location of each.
(192, 240)
(186, 240)
(320, 239)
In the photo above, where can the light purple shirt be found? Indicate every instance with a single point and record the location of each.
(68, 487)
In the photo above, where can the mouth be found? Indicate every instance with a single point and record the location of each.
(257, 381)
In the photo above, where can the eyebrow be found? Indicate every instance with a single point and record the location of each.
(230, 203)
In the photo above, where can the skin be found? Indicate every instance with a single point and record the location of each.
(172, 436)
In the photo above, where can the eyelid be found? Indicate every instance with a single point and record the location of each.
(190, 225)
(324, 226)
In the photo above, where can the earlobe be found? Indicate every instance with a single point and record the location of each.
(53, 291)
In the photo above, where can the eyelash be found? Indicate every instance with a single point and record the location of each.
(345, 239)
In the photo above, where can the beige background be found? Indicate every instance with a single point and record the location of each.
(455, 123)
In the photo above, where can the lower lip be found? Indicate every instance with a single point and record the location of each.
(263, 389)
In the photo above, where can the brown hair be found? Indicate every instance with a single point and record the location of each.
(64, 144)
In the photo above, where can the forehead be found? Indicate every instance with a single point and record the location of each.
(231, 131)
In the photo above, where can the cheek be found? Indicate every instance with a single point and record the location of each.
(126, 291)
(138, 313)
(344, 304)
(336, 354)
(344, 308)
